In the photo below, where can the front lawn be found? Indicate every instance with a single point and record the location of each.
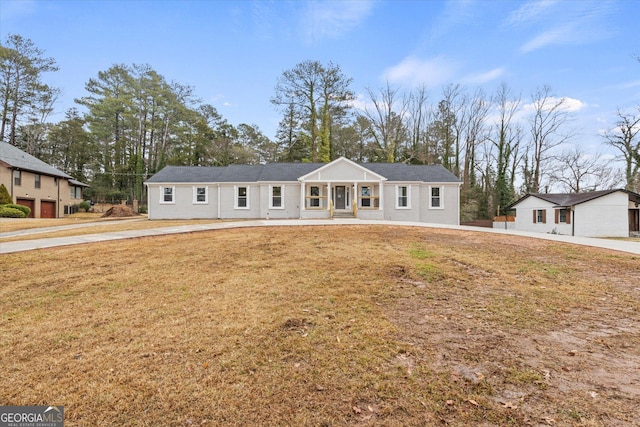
(324, 326)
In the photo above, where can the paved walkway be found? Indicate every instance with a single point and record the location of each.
(27, 245)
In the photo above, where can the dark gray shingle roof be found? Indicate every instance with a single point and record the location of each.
(572, 199)
(16, 158)
(290, 172)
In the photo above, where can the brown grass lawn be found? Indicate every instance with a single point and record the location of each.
(324, 326)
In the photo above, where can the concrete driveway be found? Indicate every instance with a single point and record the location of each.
(27, 245)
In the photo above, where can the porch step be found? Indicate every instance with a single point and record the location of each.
(343, 215)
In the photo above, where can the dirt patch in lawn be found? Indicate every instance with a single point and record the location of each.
(340, 325)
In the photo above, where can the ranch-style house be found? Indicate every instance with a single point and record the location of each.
(341, 188)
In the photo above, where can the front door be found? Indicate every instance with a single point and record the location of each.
(340, 197)
(634, 220)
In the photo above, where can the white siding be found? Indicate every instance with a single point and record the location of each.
(524, 217)
(606, 216)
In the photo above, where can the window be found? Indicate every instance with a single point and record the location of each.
(73, 192)
(78, 192)
(17, 177)
(314, 201)
(539, 215)
(166, 194)
(563, 216)
(37, 181)
(242, 197)
(365, 192)
(276, 197)
(435, 201)
(55, 182)
(200, 195)
(402, 197)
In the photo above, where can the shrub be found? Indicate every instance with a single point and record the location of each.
(5, 197)
(6, 212)
(25, 209)
(85, 205)
(142, 209)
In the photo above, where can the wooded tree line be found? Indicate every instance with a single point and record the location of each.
(135, 122)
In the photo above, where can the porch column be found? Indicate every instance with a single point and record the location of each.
(380, 197)
(329, 200)
(354, 197)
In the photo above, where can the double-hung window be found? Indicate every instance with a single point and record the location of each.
(276, 197)
(36, 184)
(403, 200)
(314, 201)
(435, 199)
(242, 197)
(200, 195)
(167, 194)
(365, 192)
(539, 216)
(17, 177)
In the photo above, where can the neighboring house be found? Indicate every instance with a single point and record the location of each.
(48, 192)
(608, 213)
(307, 190)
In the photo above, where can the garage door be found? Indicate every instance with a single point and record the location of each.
(47, 209)
(31, 204)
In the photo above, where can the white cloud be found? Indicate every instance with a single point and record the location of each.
(484, 77)
(570, 105)
(413, 72)
(530, 11)
(332, 19)
(563, 22)
(555, 36)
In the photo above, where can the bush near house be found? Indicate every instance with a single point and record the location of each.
(84, 205)
(5, 197)
(25, 209)
(11, 212)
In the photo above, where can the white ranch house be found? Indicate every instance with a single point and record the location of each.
(607, 213)
(341, 188)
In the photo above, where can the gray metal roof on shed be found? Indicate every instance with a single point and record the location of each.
(290, 172)
(18, 159)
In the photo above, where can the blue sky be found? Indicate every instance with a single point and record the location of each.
(232, 52)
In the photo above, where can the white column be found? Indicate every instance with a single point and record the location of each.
(328, 195)
(354, 197)
(302, 198)
(380, 199)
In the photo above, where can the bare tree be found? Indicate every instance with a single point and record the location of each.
(505, 138)
(625, 137)
(574, 170)
(548, 131)
(387, 121)
(473, 131)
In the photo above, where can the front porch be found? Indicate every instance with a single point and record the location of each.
(341, 199)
